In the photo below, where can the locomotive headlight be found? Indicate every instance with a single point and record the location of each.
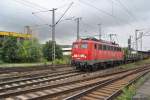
(82, 55)
(75, 55)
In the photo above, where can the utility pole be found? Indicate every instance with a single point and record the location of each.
(100, 34)
(136, 42)
(53, 35)
(141, 35)
(53, 28)
(78, 27)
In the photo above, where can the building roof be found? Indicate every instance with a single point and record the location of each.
(15, 34)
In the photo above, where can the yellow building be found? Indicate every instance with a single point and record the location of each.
(20, 36)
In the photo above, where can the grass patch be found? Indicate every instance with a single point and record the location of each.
(64, 60)
(127, 93)
(136, 64)
(130, 91)
(23, 64)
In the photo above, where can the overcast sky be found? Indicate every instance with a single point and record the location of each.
(119, 17)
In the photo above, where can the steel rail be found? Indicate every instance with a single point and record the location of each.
(94, 88)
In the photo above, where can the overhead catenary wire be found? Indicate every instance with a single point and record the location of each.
(59, 7)
(63, 5)
(90, 26)
(53, 27)
(34, 4)
(129, 12)
(41, 19)
(102, 11)
(34, 13)
(37, 5)
(126, 9)
(118, 21)
(84, 23)
(117, 39)
(27, 5)
(64, 12)
(39, 26)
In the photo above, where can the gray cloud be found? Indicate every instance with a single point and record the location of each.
(15, 14)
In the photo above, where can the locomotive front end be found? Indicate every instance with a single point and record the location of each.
(80, 54)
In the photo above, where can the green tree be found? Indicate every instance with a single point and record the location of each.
(30, 51)
(1, 52)
(47, 51)
(14, 51)
(10, 50)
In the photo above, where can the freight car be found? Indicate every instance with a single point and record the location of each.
(92, 54)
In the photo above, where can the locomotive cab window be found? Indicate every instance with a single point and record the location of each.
(104, 47)
(99, 47)
(84, 45)
(119, 49)
(107, 47)
(115, 48)
(95, 46)
(111, 48)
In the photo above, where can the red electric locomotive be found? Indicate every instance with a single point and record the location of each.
(90, 54)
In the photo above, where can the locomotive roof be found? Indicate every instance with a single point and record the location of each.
(101, 41)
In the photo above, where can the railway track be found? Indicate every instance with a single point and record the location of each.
(4, 70)
(18, 75)
(61, 88)
(109, 89)
(20, 83)
(36, 74)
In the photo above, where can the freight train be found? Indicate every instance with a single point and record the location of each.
(92, 54)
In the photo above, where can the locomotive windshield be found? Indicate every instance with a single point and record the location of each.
(84, 45)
